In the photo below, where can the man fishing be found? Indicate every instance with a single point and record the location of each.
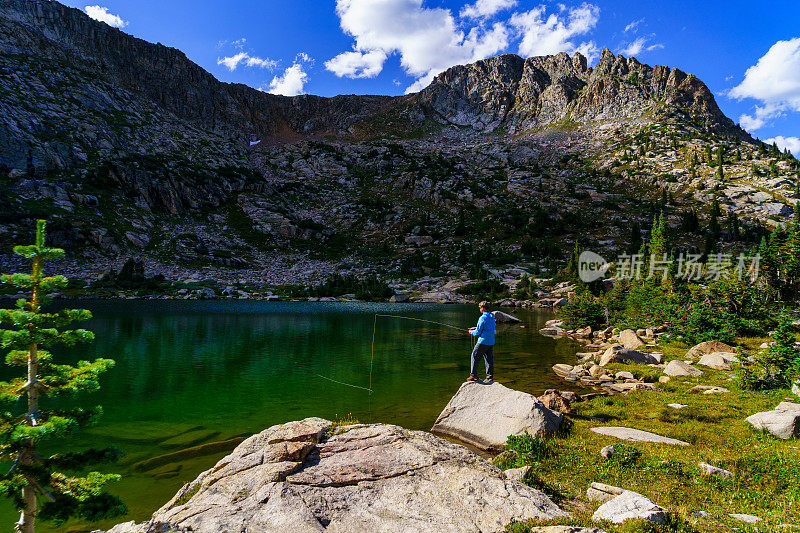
(484, 348)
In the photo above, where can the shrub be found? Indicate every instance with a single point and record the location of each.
(529, 448)
(582, 310)
(368, 289)
(490, 288)
(705, 323)
(783, 360)
(649, 303)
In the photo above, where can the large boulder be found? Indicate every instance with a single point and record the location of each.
(629, 339)
(504, 318)
(699, 350)
(782, 424)
(629, 506)
(485, 415)
(616, 354)
(680, 368)
(719, 360)
(362, 478)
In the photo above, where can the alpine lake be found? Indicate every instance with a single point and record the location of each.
(192, 378)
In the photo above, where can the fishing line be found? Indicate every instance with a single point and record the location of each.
(372, 348)
(343, 383)
(374, 324)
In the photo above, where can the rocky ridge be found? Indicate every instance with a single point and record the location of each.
(132, 150)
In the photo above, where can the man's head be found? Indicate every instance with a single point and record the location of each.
(484, 306)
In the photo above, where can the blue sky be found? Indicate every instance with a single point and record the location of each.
(393, 46)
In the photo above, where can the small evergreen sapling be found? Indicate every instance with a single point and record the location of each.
(24, 425)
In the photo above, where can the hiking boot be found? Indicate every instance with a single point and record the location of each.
(472, 378)
(489, 380)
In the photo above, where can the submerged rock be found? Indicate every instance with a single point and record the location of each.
(504, 318)
(363, 478)
(485, 415)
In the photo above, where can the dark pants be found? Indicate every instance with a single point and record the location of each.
(485, 352)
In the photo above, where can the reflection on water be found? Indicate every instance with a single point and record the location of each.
(193, 373)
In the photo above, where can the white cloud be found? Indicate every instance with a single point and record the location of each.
(357, 64)
(291, 82)
(633, 26)
(428, 40)
(792, 143)
(555, 34)
(774, 81)
(639, 45)
(486, 8)
(101, 14)
(232, 62)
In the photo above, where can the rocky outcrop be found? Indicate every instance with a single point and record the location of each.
(299, 477)
(525, 93)
(486, 415)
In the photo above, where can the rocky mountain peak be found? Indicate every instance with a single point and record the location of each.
(539, 91)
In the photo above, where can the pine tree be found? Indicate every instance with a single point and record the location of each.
(572, 265)
(461, 225)
(793, 252)
(784, 356)
(713, 224)
(720, 159)
(720, 172)
(773, 169)
(657, 245)
(767, 266)
(636, 237)
(733, 226)
(33, 333)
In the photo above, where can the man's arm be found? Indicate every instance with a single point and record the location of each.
(477, 330)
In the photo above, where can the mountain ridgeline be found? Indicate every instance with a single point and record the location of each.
(132, 150)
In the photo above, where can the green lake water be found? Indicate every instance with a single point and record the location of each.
(194, 372)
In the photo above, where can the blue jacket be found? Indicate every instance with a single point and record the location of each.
(485, 329)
